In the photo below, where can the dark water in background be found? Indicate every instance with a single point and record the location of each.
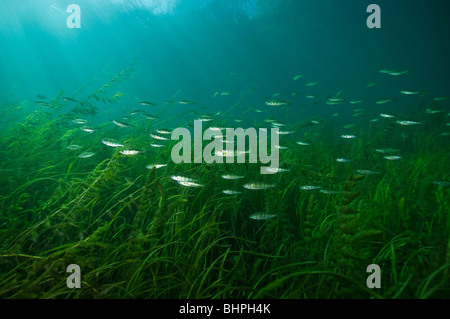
(198, 47)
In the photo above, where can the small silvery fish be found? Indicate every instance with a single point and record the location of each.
(205, 119)
(157, 137)
(258, 186)
(86, 154)
(121, 124)
(431, 111)
(309, 187)
(311, 83)
(66, 98)
(343, 160)
(185, 102)
(408, 123)
(348, 136)
(442, 183)
(73, 147)
(232, 177)
(189, 184)
(146, 103)
(440, 98)
(79, 121)
(87, 129)
(386, 150)
(329, 192)
(230, 192)
(303, 143)
(273, 170)
(387, 115)
(149, 116)
(392, 157)
(178, 178)
(42, 103)
(393, 72)
(136, 112)
(383, 101)
(333, 103)
(129, 152)
(262, 216)
(155, 166)
(276, 102)
(297, 77)
(410, 92)
(163, 131)
(366, 172)
(157, 145)
(111, 142)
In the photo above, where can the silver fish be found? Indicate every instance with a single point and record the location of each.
(129, 152)
(392, 157)
(366, 172)
(155, 166)
(309, 187)
(408, 123)
(230, 192)
(258, 186)
(262, 216)
(111, 142)
(232, 177)
(86, 154)
(73, 147)
(442, 183)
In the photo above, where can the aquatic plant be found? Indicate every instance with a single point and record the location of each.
(137, 233)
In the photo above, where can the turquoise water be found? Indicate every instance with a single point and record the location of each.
(195, 46)
(364, 120)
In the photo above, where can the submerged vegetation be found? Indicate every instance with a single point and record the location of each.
(137, 233)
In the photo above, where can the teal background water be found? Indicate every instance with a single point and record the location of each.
(193, 46)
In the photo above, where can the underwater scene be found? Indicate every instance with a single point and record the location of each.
(224, 149)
